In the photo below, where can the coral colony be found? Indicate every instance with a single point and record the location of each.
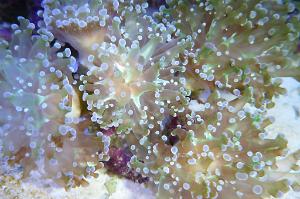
(174, 98)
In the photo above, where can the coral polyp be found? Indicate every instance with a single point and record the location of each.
(131, 84)
(39, 105)
(30, 84)
(173, 97)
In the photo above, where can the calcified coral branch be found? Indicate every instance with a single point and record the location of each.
(175, 99)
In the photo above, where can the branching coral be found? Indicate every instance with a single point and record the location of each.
(175, 99)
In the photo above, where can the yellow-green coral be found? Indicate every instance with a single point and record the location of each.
(175, 98)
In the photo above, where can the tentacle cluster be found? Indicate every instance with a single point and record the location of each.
(175, 99)
(40, 108)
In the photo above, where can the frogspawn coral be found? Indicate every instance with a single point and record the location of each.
(174, 98)
(39, 106)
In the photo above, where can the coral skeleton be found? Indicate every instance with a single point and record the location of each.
(174, 97)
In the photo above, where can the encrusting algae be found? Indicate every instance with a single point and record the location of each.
(174, 98)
